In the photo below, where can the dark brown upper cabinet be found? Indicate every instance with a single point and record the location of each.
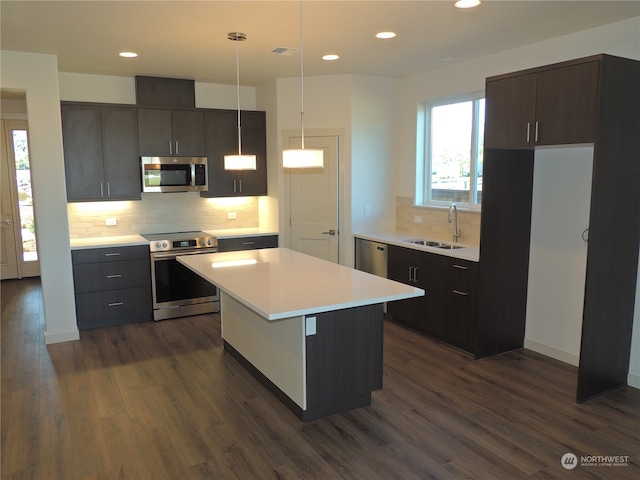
(165, 132)
(221, 132)
(100, 152)
(551, 105)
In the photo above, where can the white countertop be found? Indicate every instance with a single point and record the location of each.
(399, 239)
(130, 240)
(279, 283)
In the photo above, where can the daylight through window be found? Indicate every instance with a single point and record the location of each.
(452, 158)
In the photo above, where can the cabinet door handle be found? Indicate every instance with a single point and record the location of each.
(108, 190)
(170, 147)
(415, 274)
(101, 190)
(177, 149)
(536, 134)
(458, 292)
(115, 304)
(234, 187)
(117, 275)
(114, 254)
(411, 273)
(240, 183)
(528, 131)
(461, 267)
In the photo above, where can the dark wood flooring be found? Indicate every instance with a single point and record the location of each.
(164, 401)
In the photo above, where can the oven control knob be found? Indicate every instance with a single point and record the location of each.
(209, 242)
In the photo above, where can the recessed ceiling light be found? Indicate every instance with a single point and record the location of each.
(385, 34)
(467, 3)
(128, 54)
(330, 57)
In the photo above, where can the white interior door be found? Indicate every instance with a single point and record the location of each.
(18, 252)
(313, 202)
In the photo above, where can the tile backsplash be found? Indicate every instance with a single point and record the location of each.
(434, 222)
(159, 213)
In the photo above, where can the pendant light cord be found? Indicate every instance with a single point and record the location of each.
(238, 96)
(301, 78)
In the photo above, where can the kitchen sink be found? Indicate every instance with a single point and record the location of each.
(426, 243)
(431, 243)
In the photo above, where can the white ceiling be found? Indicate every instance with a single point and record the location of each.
(187, 39)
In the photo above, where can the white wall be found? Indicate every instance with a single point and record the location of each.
(269, 216)
(38, 76)
(558, 253)
(620, 38)
(78, 87)
(372, 160)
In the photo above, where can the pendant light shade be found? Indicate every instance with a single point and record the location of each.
(239, 161)
(302, 157)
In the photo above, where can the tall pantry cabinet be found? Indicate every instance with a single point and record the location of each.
(593, 100)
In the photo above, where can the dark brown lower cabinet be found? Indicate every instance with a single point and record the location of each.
(343, 361)
(250, 242)
(112, 286)
(448, 309)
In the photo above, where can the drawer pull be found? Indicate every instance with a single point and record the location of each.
(458, 292)
(114, 254)
(248, 243)
(461, 267)
(117, 275)
(115, 304)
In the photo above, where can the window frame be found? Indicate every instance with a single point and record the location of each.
(423, 151)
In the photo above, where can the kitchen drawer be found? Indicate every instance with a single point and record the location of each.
(113, 307)
(111, 275)
(433, 261)
(463, 275)
(109, 254)
(247, 243)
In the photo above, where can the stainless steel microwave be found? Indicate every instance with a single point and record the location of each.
(174, 174)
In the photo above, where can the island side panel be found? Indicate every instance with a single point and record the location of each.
(344, 360)
(275, 348)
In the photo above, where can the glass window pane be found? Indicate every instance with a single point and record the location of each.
(25, 199)
(451, 127)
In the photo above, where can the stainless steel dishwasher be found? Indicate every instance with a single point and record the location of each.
(371, 257)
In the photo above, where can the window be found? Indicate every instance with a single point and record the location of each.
(449, 163)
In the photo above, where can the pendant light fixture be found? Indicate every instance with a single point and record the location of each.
(302, 157)
(239, 161)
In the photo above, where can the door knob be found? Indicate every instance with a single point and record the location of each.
(330, 232)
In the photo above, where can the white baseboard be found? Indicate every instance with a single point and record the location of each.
(60, 337)
(563, 356)
(570, 358)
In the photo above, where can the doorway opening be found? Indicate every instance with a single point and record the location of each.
(19, 253)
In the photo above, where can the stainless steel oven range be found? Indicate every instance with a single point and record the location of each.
(177, 291)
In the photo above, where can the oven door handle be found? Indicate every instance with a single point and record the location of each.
(174, 255)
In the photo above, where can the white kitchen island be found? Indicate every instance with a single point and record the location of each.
(308, 329)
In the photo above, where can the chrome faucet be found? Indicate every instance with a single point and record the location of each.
(453, 216)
